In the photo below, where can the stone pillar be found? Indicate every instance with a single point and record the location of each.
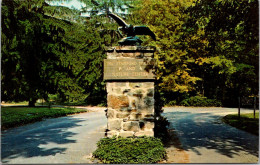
(128, 71)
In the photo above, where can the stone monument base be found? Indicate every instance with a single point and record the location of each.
(130, 108)
(130, 91)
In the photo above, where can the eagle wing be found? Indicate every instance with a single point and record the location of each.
(95, 2)
(119, 20)
(144, 30)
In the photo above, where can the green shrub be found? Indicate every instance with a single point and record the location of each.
(161, 130)
(199, 101)
(172, 103)
(185, 102)
(130, 150)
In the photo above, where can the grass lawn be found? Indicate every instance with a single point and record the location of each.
(17, 116)
(246, 122)
(15, 103)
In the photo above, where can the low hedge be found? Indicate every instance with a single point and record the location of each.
(198, 101)
(118, 150)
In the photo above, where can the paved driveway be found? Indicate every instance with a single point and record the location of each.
(207, 140)
(60, 140)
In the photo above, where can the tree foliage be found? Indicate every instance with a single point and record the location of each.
(52, 50)
(25, 34)
(206, 48)
(166, 19)
(43, 54)
(232, 52)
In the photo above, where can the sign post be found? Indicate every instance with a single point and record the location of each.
(239, 107)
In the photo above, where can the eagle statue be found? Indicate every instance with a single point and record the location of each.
(131, 31)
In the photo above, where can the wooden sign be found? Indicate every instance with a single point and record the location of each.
(122, 69)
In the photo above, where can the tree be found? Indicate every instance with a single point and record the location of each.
(25, 44)
(43, 54)
(206, 48)
(231, 30)
(166, 20)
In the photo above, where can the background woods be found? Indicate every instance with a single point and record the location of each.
(207, 51)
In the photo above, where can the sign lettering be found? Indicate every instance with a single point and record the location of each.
(128, 69)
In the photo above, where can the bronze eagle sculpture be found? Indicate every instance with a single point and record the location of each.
(131, 31)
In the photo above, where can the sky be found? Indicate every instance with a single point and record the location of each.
(77, 5)
(71, 4)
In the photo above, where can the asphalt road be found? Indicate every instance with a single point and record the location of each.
(207, 140)
(69, 139)
(72, 139)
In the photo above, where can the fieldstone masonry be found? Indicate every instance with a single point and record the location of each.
(130, 102)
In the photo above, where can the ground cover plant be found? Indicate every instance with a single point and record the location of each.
(246, 122)
(130, 150)
(17, 116)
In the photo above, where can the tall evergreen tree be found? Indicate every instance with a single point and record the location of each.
(26, 42)
(52, 50)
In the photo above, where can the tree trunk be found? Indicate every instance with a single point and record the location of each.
(32, 102)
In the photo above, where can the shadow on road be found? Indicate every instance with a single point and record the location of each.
(30, 142)
(205, 130)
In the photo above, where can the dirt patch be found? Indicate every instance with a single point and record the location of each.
(91, 108)
(174, 150)
(91, 160)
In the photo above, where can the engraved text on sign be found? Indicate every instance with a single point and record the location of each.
(128, 69)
